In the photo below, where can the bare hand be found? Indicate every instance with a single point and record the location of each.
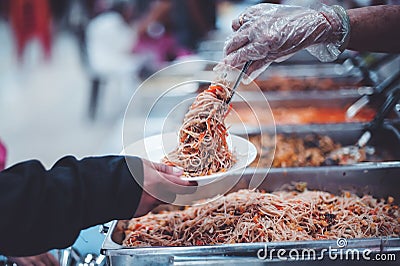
(161, 185)
(45, 259)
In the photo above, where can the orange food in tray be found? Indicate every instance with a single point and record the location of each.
(308, 115)
(297, 115)
(283, 83)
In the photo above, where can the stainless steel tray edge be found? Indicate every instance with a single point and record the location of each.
(108, 243)
(374, 244)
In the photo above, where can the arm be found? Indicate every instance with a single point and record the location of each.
(375, 29)
(41, 259)
(267, 33)
(44, 209)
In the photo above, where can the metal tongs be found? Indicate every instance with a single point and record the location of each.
(379, 92)
(238, 80)
(368, 69)
(353, 151)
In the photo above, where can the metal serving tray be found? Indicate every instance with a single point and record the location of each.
(378, 179)
(252, 109)
(246, 99)
(338, 72)
(385, 141)
(334, 99)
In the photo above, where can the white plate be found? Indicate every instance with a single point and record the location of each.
(155, 148)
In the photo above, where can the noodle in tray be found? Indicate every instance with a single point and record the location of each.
(249, 216)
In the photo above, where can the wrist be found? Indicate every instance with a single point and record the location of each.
(339, 22)
(343, 31)
(336, 36)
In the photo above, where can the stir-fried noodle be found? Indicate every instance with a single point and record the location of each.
(202, 148)
(248, 216)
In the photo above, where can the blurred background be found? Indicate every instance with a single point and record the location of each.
(69, 67)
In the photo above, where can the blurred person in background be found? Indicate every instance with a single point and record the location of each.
(193, 20)
(172, 28)
(188, 21)
(46, 209)
(121, 41)
(31, 19)
(267, 33)
(107, 48)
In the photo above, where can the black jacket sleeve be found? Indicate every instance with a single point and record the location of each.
(45, 209)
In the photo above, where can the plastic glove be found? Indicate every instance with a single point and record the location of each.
(266, 33)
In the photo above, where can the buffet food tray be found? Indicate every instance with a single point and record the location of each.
(253, 109)
(283, 79)
(380, 179)
(383, 144)
(334, 99)
(292, 82)
(377, 179)
(248, 102)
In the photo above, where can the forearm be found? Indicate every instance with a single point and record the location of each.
(375, 29)
(45, 209)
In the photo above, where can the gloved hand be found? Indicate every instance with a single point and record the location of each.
(266, 33)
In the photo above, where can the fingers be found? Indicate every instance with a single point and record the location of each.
(39, 260)
(237, 41)
(250, 14)
(166, 180)
(236, 24)
(43, 259)
(180, 186)
(167, 169)
(52, 260)
(241, 21)
(169, 185)
(170, 173)
(38, 263)
(239, 58)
